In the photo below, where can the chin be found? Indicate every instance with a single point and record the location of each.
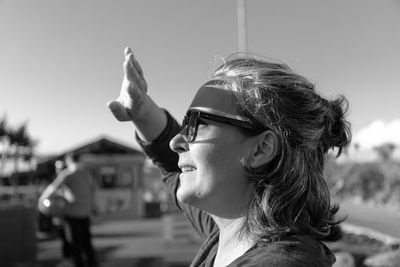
(186, 197)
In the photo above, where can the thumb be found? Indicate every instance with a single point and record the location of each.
(118, 110)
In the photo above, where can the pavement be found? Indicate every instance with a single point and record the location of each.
(143, 242)
(126, 243)
(382, 219)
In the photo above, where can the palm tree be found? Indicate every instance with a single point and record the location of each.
(17, 146)
(21, 145)
(4, 144)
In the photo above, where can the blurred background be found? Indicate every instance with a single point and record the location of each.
(61, 62)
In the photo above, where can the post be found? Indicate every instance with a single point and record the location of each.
(242, 34)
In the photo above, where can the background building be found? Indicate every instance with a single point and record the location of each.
(118, 173)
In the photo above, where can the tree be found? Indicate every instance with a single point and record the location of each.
(21, 146)
(388, 164)
(15, 144)
(4, 143)
(3, 127)
(385, 151)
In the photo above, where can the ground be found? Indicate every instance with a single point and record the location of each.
(126, 243)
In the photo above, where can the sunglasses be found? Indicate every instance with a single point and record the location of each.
(192, 118)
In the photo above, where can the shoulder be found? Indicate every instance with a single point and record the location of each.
(293, 251)
(78, 171)
(72, 174)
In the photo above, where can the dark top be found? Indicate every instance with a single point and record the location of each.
(295, 250)
(81, 184)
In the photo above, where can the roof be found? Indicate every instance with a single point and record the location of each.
(100, 145)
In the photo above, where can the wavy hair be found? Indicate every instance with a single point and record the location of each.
(290, 194)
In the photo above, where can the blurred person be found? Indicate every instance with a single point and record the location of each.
(77, 186)
(246, 165)
(59, 223)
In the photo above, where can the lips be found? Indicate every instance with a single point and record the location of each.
(186, 168)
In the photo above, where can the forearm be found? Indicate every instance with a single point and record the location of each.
(52, 187)
(49, 190)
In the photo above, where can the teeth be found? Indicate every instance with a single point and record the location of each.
(187, 169)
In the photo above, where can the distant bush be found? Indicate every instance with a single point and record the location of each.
(377, 181)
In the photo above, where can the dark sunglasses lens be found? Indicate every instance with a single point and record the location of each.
(192, 125)
(184, 122)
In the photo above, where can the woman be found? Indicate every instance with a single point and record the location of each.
(246, 165)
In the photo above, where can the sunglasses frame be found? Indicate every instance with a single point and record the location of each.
(190, 137)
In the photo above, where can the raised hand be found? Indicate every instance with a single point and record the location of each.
(129, 105)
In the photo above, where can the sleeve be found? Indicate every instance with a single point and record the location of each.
(52, 188)
(167, 160)
(159, 151)
(61, 179)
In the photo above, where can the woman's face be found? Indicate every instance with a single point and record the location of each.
(212, 178)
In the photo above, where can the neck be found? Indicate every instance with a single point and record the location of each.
(231, 245)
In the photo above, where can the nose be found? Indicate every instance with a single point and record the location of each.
(179, 143)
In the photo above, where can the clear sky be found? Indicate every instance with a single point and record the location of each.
(61, 61)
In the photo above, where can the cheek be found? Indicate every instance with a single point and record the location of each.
(221, 164)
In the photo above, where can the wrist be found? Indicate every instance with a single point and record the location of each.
(144, 108)
(151, 120)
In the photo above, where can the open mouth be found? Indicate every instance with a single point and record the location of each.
(187, 168)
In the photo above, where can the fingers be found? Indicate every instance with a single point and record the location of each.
(133, 90)
(129, 56)
(127, 51)
(130, 71)
(134, 73)
(137, 65)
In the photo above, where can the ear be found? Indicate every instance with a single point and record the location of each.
(264, 150)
